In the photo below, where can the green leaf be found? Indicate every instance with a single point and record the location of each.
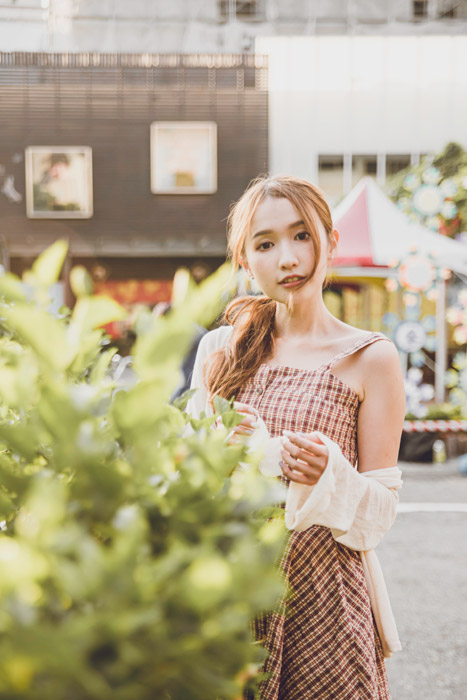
(11, 288)
(183, 285)
(163, 344)
(42, 332)
(18, 384)
(208, 300)
(81, 282)
(222, 405)
(47, 267)
(139, 406)
(203, 422)
(231, 419)
(22, 439)
(89, 346)
(102, 365)
(181, 401)
(93, 312)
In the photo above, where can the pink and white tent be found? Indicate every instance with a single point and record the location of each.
(374, 232)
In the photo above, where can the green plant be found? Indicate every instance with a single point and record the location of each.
(435, 191)
(134, 552)
(442, 411)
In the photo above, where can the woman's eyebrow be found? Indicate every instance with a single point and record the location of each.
(268, 231)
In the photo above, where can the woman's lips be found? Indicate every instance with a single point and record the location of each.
(294, 283)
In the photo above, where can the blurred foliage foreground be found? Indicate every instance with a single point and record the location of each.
(133, 552)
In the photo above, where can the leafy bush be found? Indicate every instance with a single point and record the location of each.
(439, 411)
(133, 554)
(449, 219)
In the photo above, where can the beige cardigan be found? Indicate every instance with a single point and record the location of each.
(359, 508)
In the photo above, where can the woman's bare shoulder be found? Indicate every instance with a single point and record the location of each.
(349, 335)
(381, 362)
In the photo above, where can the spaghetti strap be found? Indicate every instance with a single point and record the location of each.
(362, 343)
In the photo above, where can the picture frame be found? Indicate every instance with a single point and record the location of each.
(59, 182)
(183, 157)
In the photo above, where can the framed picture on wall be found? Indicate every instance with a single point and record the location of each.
(183, 157)
(59, 182)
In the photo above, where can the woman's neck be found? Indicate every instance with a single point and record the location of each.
(304, 321)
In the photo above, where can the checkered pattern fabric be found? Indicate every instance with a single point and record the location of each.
(322, 641)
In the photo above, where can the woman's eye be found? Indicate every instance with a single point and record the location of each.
(303, 235)
(264, 246)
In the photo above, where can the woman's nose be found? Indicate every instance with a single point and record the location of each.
(288, 257)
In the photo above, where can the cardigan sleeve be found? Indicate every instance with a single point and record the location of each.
(209, 343)
(260, 441)
(359, 508)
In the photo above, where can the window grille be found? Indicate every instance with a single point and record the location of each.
(240, 9)
(420, 9)
(396, 162)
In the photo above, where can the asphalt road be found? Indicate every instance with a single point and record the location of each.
(424, 560)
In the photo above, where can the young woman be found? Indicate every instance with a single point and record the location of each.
(324, 390)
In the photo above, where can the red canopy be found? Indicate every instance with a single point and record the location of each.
(355, 241)
(374, 232)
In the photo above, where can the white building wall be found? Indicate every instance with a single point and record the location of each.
(355, 95)
(198, 26)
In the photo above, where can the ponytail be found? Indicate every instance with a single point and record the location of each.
(250, 346)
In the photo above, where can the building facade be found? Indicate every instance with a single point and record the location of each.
(352, 88)
(373, 124)
(341, 108)
(107, 104)
(213, 26)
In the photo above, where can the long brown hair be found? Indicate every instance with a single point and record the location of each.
(252, 317)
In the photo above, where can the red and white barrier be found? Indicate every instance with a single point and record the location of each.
(435, 426)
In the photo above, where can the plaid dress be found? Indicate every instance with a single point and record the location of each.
(322, 641)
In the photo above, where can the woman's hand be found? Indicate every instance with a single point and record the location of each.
(247, 426)
(304, 457)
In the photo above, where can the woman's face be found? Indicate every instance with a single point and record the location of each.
(279, 252)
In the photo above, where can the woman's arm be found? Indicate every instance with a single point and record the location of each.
(379, 426)
(382, 411)
(358, 506)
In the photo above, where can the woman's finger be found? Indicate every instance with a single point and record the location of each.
(250, 421)
(243, 429)
(302, 467)
(296, 476)
(245, 408)
(295, 451)
(307, 443)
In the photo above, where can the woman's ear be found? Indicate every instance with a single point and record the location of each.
(334, 240)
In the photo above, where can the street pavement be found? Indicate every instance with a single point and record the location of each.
(424, 562)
